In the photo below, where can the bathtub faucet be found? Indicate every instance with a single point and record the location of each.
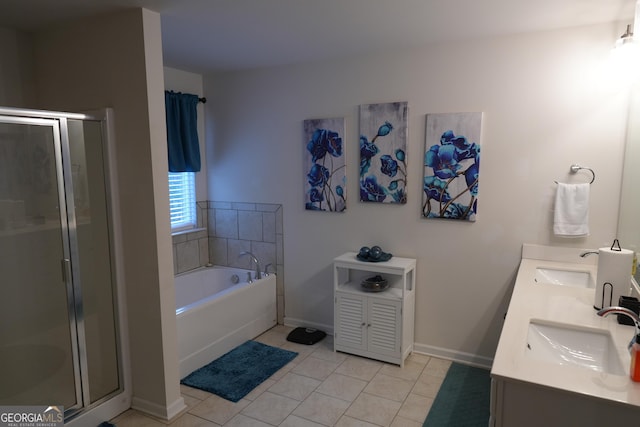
(254, 259)
(266, 269)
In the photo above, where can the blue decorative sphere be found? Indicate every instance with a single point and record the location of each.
(375, 253)
(364, 252)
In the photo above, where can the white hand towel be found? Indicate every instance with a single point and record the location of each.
(571, 217)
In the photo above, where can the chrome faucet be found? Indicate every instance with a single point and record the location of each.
(254, 259)
(266, 269)
(623, 310)
(586, 254)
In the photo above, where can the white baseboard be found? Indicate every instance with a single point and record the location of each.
(453, 355)
(176, 408)
(443, 353)
(159, 411)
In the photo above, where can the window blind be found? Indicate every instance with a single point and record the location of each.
(182, 200)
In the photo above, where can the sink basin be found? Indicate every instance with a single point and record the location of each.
(581, 279)
(562, 344)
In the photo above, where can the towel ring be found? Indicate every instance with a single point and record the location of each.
(576, 167)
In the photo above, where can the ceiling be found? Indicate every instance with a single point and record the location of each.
(207, 35)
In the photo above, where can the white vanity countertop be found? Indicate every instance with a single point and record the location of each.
(566, 305)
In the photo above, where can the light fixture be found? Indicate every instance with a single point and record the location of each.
(627, 44)
(626, 39)
(622, 70)
(626, 56)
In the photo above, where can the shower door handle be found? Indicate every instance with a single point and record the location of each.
(66, 270)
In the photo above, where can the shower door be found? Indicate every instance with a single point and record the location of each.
(55, 266)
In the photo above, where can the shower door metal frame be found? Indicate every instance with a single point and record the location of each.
(71, 273)
(67, 250)
(75, 305)
(105, 118)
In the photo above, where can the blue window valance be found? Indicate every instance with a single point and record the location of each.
(182, 131)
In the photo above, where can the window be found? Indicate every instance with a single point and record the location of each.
(182, 200)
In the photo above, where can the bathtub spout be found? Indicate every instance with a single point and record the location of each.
(266, 269)
(254, 259)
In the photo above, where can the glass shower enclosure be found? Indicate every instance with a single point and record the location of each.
(59, 329)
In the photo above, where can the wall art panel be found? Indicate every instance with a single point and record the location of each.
(326, 179)
(452, 166)
(383, 152)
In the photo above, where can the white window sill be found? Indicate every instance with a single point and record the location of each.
(187, 231)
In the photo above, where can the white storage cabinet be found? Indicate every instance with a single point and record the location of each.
(378, 325)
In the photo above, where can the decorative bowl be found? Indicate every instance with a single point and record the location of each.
(375, 284)
(383, 257)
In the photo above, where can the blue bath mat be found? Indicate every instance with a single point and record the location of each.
(233, 375)
(463, 399)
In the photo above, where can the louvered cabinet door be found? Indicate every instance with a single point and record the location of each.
(350, 321)
(384, 323)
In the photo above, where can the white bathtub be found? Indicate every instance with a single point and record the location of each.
(214, 315)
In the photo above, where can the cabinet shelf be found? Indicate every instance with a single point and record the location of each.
(396, 265)
(392, 292)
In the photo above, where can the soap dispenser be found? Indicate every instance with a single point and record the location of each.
(634, 371)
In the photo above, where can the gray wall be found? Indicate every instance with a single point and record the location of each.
(17, 85)
(546, 106)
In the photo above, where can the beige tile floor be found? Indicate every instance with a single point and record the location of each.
(319, 387)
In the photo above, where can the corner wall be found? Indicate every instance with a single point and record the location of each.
(546, 106)
(116, 61)
(16, 69)
(191, 247)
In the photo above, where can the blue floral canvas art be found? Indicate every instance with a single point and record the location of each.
(452, 166)
(325, 179)
(383, 152)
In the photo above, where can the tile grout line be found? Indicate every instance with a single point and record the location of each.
(396, 413)
(277, 339)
